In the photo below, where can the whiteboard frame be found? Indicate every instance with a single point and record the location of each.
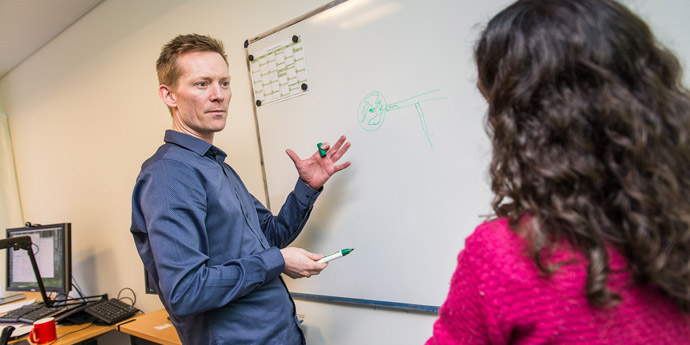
(247, 43)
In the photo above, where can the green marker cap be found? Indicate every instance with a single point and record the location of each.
(322, 152)
(347, 251)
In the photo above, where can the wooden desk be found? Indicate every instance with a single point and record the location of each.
(81, 333)
(73, 334)
(154, 327)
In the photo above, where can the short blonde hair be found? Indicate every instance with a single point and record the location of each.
(166, 65)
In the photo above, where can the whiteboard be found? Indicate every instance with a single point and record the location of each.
(398, 79)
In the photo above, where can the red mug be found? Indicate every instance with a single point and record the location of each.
(43, 331)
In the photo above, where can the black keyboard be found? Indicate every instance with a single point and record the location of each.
(13, 315)
(39, 313)
(29, 313)
(111, 311)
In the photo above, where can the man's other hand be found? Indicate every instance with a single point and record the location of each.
(300, 263)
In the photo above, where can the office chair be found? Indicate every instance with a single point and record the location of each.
(5, 335)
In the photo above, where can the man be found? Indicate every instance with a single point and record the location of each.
(213, 250)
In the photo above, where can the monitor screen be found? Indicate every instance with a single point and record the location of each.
(53, 251)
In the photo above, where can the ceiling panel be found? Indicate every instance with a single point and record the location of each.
(27, 25)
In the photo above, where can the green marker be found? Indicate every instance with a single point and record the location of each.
(322, 152)
(338, 254)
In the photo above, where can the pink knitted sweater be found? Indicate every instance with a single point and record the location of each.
(498, 296)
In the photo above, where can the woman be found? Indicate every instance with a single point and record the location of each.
(590, 128)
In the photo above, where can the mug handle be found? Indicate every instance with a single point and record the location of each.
(31, 336)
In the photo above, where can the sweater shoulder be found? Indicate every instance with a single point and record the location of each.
(495, 240)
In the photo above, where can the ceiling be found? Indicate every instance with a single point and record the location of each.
(27, 25)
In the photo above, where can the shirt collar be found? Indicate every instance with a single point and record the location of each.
(195, 144)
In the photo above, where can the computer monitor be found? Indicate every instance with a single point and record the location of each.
(52, 247)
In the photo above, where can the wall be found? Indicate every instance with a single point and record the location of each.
(84, 114)
(10, 205)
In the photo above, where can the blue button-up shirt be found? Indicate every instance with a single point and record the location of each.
(213, 249)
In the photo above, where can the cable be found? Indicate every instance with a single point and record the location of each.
(76, 283)
(129, 298)
(76, 330)
(134, 301)
(78, 289)
(56, 298)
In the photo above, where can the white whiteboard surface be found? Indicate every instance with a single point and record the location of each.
(416, 189)
(411, 196)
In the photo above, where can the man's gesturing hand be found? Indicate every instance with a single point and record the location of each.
(315, 171)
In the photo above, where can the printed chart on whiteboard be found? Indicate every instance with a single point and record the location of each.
(279, 72)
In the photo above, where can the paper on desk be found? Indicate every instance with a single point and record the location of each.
(12, 306)
(163, 326)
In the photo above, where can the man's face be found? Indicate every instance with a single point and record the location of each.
(202, 94)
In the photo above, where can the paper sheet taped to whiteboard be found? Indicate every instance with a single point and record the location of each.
(279, 72)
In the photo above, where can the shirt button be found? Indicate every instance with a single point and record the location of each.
(308, 195)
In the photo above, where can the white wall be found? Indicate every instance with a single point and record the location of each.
(84, 114)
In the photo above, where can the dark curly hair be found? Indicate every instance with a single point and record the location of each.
(590, 127)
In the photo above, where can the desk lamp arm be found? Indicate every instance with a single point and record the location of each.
(24, 242)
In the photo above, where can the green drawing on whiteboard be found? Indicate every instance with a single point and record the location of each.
(373, 108)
